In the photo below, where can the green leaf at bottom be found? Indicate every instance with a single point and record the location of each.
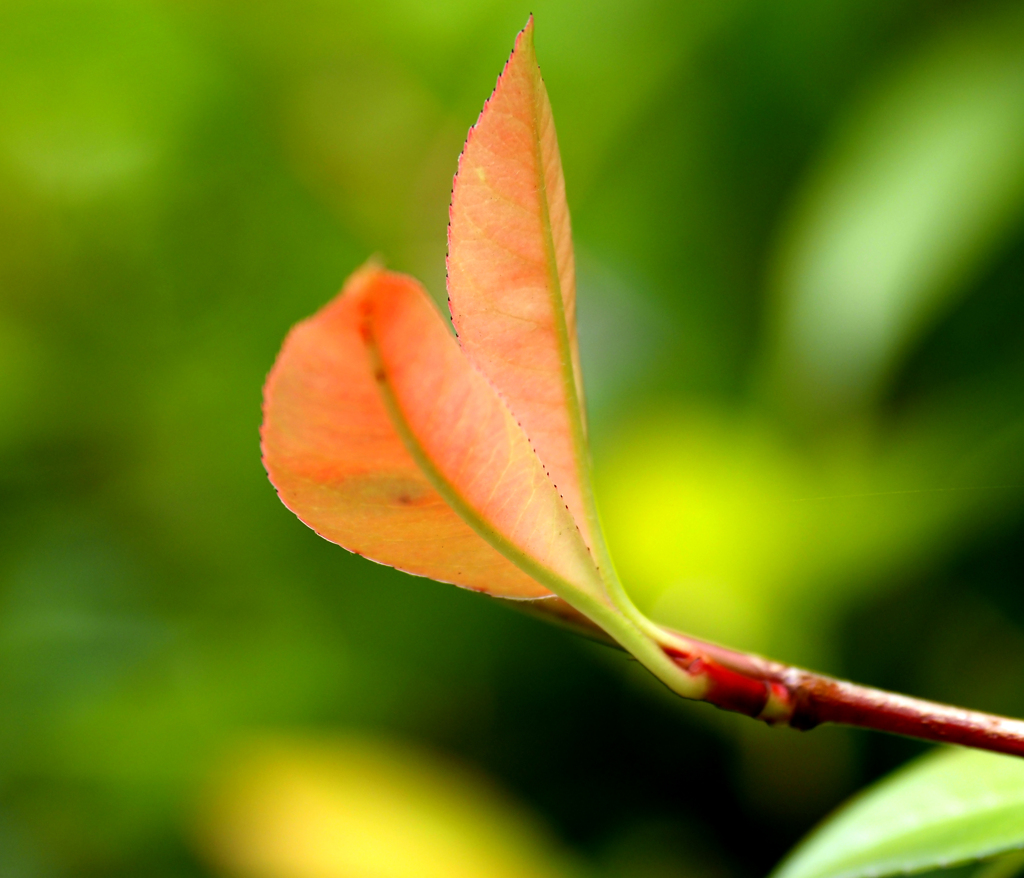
(946, 808)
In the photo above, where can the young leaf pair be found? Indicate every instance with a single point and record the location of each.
(467, 461)
(463, 460)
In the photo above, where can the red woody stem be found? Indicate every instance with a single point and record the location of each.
(806, 699)
(780, 694)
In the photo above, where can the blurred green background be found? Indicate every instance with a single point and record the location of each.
(800, 239)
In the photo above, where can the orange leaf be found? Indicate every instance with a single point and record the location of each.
(333, 454)
(511, 274)
(380, 435)
(464, 460)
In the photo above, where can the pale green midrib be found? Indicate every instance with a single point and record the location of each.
(623, 629)
(569, 385)
(602, 557)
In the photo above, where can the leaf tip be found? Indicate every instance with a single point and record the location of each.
(524, 39)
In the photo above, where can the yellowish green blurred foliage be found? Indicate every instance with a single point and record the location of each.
(359, 808)
(752, 529)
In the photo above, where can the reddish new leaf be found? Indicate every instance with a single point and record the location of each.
(338, 463)
(376, 425)
(511, 275)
